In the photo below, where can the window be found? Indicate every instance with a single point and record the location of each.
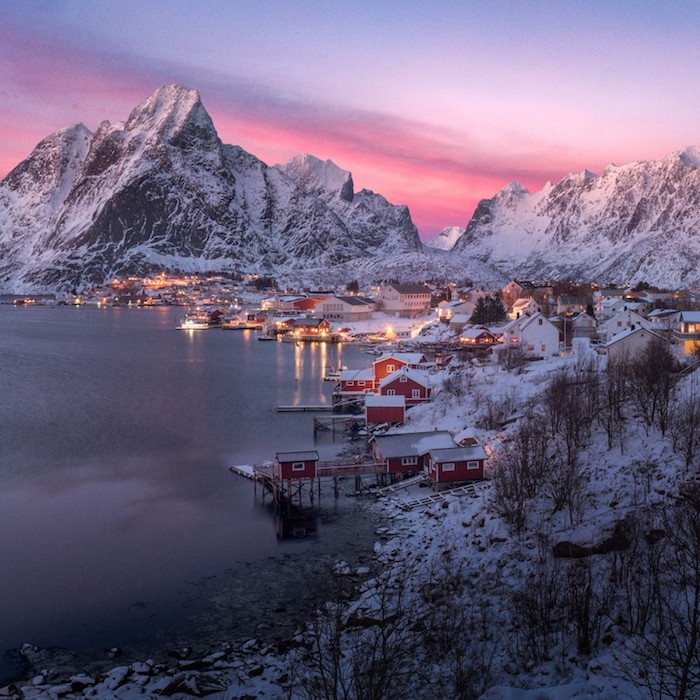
(473, 464)
(539, 321)
(390, 368)
(391, 392)
(531, 348)
(360, 383)
(403, 378)
(408, 461)
(415, 394)
(448, 467)
(543, 348)
(298, 466)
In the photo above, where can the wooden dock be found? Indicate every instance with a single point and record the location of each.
(307, 408)
(333, 422)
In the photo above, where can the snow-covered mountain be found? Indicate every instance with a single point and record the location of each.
(446, 239)
(630, 223)
(161, 191)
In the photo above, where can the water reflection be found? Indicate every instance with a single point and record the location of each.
(116, 433)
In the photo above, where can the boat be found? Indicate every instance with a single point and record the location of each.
(193, 322)
(266, 337)
(333, 373)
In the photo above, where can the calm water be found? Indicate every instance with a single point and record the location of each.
(120, 524)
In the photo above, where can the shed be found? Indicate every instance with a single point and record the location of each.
(448, 465)
(297, 465)
(384, 409)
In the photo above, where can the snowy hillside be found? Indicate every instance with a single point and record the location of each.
(446, 239)
(630, 223)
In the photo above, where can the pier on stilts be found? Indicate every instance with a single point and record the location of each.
(288, 492)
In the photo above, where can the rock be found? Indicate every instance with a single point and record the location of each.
(81, 681)
(117, 676)
(113, 652)
(181, 653)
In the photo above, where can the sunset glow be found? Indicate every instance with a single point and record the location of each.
(434, 106)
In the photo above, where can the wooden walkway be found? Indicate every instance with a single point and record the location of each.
(437, 497)
(412, 481)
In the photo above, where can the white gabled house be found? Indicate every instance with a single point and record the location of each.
(622, 321)
(630, 341)
(524, 306)
(536, 335)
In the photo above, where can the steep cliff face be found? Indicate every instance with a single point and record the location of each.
(630, 223)
(161, 191)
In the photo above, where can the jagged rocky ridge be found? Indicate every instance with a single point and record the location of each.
(161, 191)
(635, 222)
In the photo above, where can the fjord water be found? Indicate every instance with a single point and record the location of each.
(120, 523)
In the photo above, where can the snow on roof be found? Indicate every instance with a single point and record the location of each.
(636, 328)
(415, 375)
(410, 358)
(690, 316)
(406, 444)
(457, 454)
(307, 456)
(475, 332)
(354, 375)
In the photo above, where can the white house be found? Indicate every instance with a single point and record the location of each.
(621, 322)
(536, 335)
(629, 342)
(405, 300)
(345, 308)
(524, 306)
(688, 332)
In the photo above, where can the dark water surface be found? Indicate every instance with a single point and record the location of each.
(120, 524)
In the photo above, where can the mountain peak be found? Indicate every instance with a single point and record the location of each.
(317, 176)
(690, 156)
(174, 111)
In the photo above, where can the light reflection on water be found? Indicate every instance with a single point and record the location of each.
(116, 432)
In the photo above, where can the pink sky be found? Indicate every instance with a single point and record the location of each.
(433, 106)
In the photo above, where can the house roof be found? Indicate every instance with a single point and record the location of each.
(457, 454)
(356, 301)
(354, 375)
(690, 316)
(410, 358)
(409, 444)
(307, 456)
(410, 289)
(632, 331)
(476, 332)
(413, 374)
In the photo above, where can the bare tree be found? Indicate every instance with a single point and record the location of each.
(651, 382)
(665, 659)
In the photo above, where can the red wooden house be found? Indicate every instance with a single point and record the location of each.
(311, 327)
(410, 383)
(297, 465)
(389, 363)
(406, 452)
(453, 464)
(355, 381)
(384, 409)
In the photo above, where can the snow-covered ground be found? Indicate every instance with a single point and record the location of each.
(461, 574)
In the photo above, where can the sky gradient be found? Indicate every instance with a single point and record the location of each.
(434, 105)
